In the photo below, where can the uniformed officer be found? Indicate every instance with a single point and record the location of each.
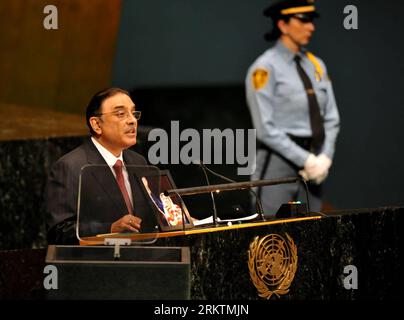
(293, 108)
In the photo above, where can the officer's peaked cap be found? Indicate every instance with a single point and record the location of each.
(300, 8)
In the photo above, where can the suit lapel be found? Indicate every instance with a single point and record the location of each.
(103, 175)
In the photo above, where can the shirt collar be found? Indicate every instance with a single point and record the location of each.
(109, 158)
(287, 54)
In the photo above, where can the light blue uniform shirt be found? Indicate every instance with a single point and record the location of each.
(280, 107)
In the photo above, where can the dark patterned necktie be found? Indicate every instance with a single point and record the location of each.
(316, 120)
(121, 183)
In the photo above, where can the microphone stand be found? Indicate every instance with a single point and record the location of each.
(182, 213)
(306, 189)
(259, 204)
(234, 186)
(211, 195)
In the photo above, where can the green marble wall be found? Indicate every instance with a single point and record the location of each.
(24, 166)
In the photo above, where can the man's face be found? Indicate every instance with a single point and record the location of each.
(117, 125)
(299, 31)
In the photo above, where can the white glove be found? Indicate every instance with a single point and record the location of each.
(324, 162)
(316, 168)
(304, 175)
(319, 180)
(310, 170)
(311, 162)
(312, 167)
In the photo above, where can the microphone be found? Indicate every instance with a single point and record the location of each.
(258, 201)
(198, 162)
(239, 186)
(230, 186)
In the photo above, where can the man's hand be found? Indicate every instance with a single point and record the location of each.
(316, 168)
(128, 222)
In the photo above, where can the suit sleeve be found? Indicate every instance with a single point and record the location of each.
(61, 206)
(260, 102)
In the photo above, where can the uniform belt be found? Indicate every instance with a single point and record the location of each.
(304, 142)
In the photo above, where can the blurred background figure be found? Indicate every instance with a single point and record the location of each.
(293, 108)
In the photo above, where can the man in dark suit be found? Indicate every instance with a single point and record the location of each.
(110, 196)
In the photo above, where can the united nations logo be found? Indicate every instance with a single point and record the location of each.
(272, 262)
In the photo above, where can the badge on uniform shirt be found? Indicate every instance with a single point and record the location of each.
(260, 78)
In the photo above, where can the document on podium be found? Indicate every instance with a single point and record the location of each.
(209, 220)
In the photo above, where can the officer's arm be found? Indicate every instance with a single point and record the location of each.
(331, 120)
(260, 86)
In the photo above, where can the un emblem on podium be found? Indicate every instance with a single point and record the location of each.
(272, 262)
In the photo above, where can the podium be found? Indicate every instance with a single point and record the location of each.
(369, 239)
(140, 273)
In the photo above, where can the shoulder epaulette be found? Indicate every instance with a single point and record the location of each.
(316, 63)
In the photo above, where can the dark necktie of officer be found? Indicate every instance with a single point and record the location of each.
(316, 120)
(121, 183)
